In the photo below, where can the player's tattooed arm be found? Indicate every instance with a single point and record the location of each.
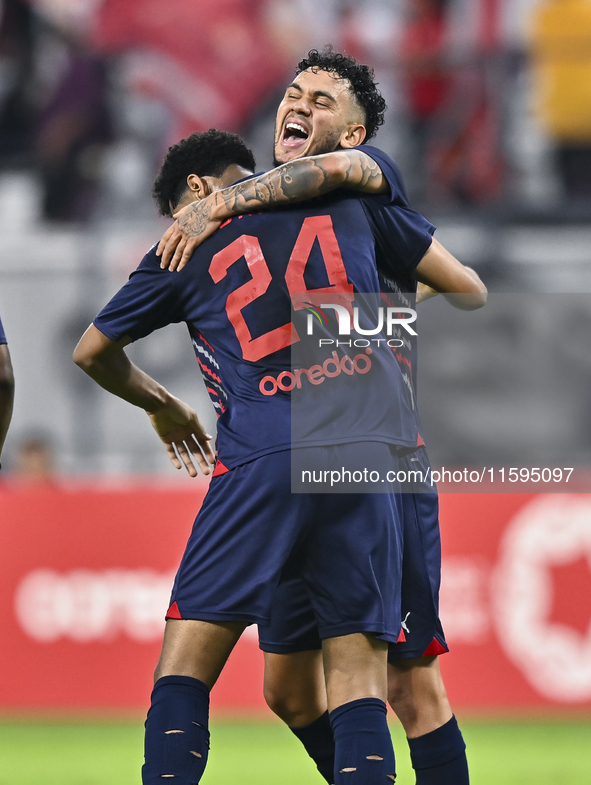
(296, 181)
(177, 425)
(303, 179)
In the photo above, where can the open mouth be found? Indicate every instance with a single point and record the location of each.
(294, 134)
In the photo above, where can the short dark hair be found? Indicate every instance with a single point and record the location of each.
(361, 78)
(206, 154)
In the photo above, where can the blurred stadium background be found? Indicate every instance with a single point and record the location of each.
(490, 121)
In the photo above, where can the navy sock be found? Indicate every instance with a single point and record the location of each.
(439, 757)
(363, 747)
(318, 740)
(177, 736)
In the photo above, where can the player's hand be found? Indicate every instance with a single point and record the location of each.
(195, 223)
(183, 437)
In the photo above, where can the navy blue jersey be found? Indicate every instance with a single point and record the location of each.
(410, 238)
(2, 334)
(235, 296)
(403, 236)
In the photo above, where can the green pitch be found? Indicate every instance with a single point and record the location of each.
(265, 753)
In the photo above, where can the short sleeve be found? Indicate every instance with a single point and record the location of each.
(2, 334)
(402, 235)
(397, 193)
(151, 299)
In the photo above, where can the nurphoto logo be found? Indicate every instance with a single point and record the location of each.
(389, 320)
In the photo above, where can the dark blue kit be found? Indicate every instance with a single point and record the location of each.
(237, 296)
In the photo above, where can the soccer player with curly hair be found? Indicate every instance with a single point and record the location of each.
(333, 104)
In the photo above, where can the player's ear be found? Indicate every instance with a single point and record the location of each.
(198, 186)
(353, 135)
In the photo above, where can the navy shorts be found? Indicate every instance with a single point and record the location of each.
(252, 533)
(293, 624)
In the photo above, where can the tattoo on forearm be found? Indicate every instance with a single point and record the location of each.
(193, 222)
(292, 182)
(301, 180)
(295, 181)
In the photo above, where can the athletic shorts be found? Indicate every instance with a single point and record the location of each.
(293, 625)
(252, 533)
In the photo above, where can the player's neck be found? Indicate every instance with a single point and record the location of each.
(230, 175)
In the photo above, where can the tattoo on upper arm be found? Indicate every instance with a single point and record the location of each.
(363, 172)
(298, 180)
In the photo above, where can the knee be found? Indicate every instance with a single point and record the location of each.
(406, 697)
(397, 693)
(401, 697)
(286, 702)
(294, 688)
(417, 695)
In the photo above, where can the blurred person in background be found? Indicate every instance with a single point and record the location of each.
(426, 78)
(16, 73)
(455, 80)
(35, 460)
(561, 54)
(6, 387)
(73, 129)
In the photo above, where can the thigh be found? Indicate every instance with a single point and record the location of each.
(247, 527)
(356, 667)
(198, 649)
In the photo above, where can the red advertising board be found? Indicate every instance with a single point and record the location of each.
(85, 577)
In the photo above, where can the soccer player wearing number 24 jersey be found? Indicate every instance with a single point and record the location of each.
(235, 297)
(416, 690)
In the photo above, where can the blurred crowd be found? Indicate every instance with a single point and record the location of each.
(489, 119)
(489, 100)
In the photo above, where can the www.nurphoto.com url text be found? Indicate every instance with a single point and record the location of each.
(432, 476)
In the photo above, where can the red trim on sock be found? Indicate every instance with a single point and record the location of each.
(173, 612)
(434, 648)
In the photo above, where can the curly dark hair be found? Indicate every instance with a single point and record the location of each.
(361, 78)
(206, 154)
